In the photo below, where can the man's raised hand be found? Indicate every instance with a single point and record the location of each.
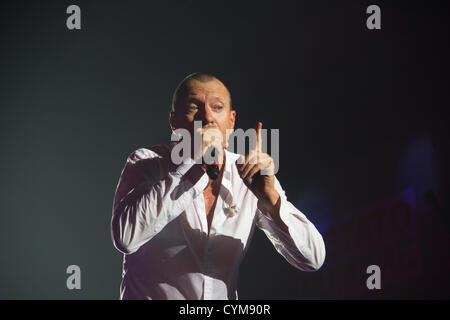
(257, 171)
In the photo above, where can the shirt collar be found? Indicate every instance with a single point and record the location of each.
(230, 159)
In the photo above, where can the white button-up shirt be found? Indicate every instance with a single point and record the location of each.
(159, 223)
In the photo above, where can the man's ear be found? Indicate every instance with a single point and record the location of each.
(230, 130)
(232, 118)
(172, 121)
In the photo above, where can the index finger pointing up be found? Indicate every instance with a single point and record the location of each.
(258, 137)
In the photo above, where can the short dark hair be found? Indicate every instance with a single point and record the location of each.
(182, 86)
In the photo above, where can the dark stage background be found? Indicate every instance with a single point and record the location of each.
(363, 119)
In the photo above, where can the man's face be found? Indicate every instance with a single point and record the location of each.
(208, 102)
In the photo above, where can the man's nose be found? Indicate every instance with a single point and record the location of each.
(206, 116)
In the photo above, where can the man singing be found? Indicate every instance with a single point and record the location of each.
(183, 234)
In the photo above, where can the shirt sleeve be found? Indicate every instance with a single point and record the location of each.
(149, 195)
(303, 247)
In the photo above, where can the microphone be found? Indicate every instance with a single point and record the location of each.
(212, 169)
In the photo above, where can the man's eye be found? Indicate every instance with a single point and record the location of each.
(192, 108)
(218, 107)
